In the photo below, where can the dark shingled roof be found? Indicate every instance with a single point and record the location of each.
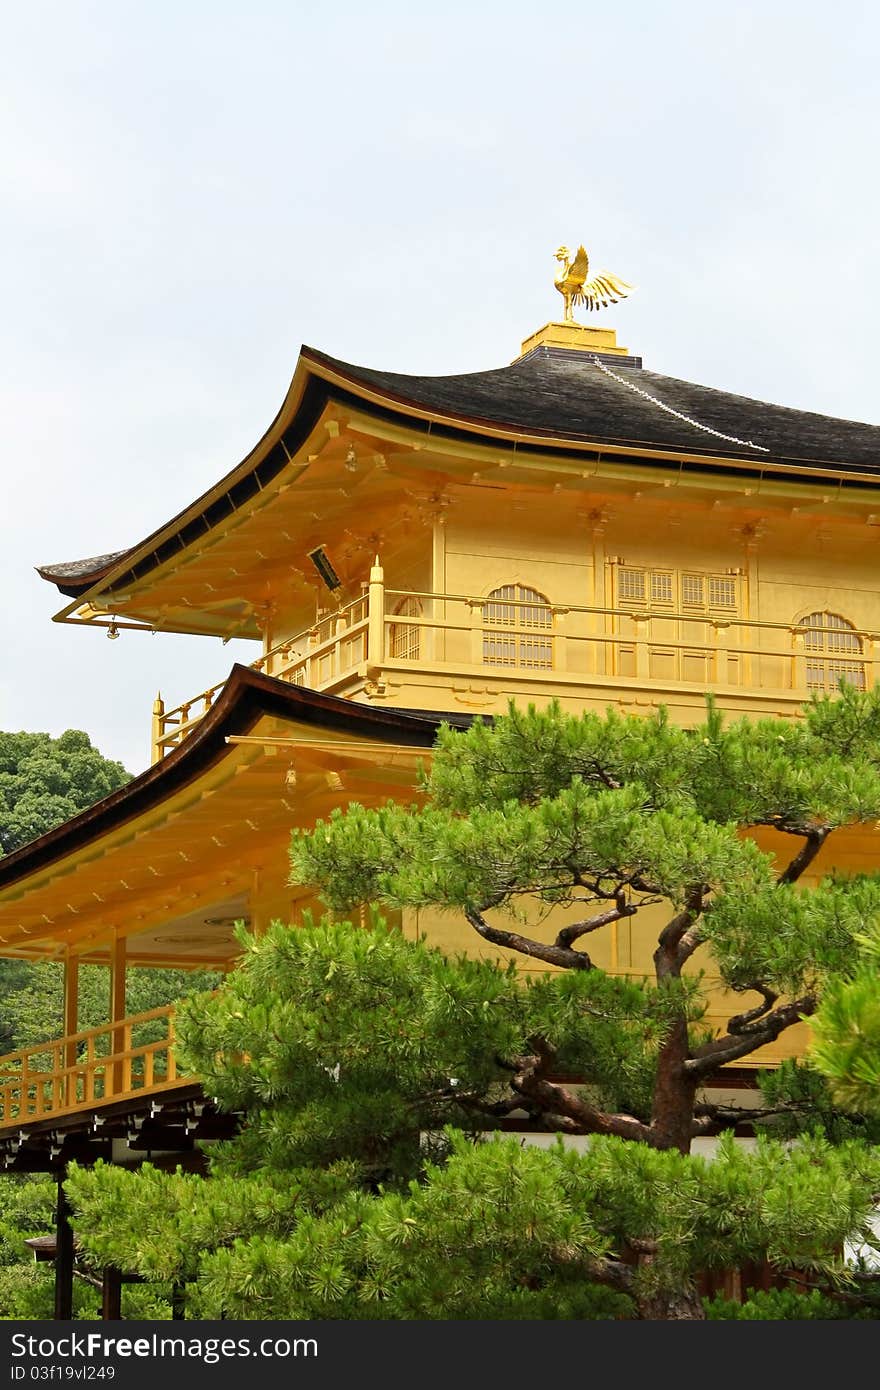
(74, 569)
(568, 395)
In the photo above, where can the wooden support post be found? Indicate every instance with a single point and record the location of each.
(376, 620)
(64, 1254)
(117, 1009)
(157, 749)
(111, 1294)
(71, 1024)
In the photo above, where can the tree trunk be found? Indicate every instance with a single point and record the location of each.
(672, 1114)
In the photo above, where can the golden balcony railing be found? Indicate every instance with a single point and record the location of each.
(501, 637)
(90, 1068)
(318, 657)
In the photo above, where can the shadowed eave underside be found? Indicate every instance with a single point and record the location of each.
(125, 817)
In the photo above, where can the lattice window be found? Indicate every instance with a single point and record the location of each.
(833, 649)
(515, 606)
(630, 585)
(406, 637)
(662, 586)
(692, 591)
(650, 588)
(723, 592)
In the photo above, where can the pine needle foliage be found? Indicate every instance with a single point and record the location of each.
(371, 1070)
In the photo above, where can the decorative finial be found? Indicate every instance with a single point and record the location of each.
(575, 288)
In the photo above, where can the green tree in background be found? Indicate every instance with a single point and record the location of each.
(374, 1064)
(45, 781)
(35, 1009)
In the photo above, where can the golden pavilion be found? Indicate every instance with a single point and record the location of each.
(407, 550)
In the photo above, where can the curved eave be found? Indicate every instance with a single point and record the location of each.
(272, 452)
(320, 380)
(246, 696)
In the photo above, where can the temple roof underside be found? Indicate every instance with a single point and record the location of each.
(170, 859)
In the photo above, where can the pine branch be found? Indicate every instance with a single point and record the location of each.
(849, 1298)
(666, 960)
(711, 1119)
(815, 838)
(568, 935)
(614, 1274)
(552, 1099)
(740, 1022)
(714, 1054)
(564, 957)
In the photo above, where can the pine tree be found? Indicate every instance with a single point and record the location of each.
(368, 1066)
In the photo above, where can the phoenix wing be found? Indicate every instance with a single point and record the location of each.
(604, 289)
(577, 271)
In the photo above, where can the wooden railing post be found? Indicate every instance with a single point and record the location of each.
(117, 1011)
(798, 659)
(595, 625)
(171, 1065)
(62, 1087)
(91, 1069)
(376, 622)
(643, 661)
(157, 747)
(71, 1018)
(25, 1105)
(560, 642)
(126, 1061)
(478, 631)
(340, 628)
(721, 633)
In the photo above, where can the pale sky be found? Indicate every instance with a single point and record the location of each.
(192, 190)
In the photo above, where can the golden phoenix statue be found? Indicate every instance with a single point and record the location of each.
(575, 288)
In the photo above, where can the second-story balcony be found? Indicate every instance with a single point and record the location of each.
(89, 1069)
(443, 651)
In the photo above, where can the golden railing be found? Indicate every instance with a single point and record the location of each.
(574, 641)
(92, 1067)
(580, 645)
(334, 647)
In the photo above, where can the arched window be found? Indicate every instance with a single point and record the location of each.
(405, 637)
(833, 652)
(515, 606)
